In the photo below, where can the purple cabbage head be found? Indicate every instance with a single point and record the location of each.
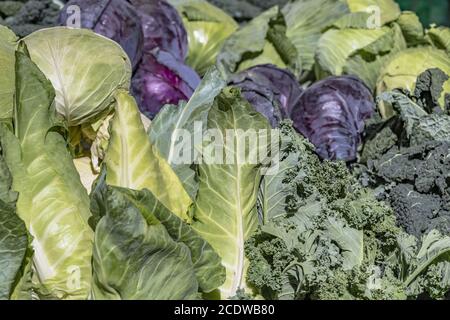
(272, 91)
(114, 19)
(332, 113)
(161, 79)
(162, 27)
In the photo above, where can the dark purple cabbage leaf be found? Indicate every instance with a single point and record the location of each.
(332, 113)
(162, 27)
(162, 79)
(115, 19)
(272, 91)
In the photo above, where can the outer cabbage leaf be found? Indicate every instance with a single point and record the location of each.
(332, 113)
(86, 172)
(269, 45)
(360, 52)
(207, 27)
(272, 91)
(163, 27)
(190, 118)
(412, 28)
(143, 251)
(8, 42)
(403, 69)
(161, 79)
(14, 239)
(84, 68)
(440, 37)
(423, 265)
(116, 19)
(133, 162)
(306, 20)
(52, 201)
(225, 209)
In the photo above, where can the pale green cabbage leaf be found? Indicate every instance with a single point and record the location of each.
(403, 68)
(85, 69)
(189, 118)
(225, 212)
(207, 27)
(360, 52)
(306, 21)
(143, 251)
(133, 162)
(263, 40)
(8, 42)
(52, 201)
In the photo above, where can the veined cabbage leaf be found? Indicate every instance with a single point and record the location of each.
(85, 69)
(357, 51)
(52, 201)
(262, 41)
(207, 27)
(306, 20)
(14, 239)
(440, 37)
(225, 209)
(188, 120)
(135, 163)
(8, 42)
(144, 251)
(412, 28)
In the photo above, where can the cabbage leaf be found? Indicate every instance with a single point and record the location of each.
(143, 251)
(225, 209)
(84, 68)
(190, 118)
(207, 27)
(8, 42)
(306, 21)
(52, 201)
(14, 238)
(269, 45)
(133, 162)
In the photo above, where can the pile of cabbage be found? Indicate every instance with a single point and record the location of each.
(96, 204)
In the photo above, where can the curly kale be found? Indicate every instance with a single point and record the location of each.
(324, 236)
(31, 15)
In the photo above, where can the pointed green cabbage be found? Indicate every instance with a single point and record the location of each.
(412, 28)
(133, 162)
(188, 117)
(402, 70)
(440, 37)
(8, 41)
(263, 40)
(52, 201)
(306, 21)
(207, 27)
(143, 251)
(225, 209)
(84, 68)
(360, 52)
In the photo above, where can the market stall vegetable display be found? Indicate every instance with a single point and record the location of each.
(161, 150)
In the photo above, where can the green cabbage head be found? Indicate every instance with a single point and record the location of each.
(402, 70)
(207, 27)
(85, 69)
